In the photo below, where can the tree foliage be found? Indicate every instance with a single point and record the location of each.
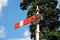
(49, 13)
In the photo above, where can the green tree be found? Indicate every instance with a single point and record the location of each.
(49, 12)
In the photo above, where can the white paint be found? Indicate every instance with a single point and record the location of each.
(21, 23)
(37, 7)
(37, 32)
(37, 13)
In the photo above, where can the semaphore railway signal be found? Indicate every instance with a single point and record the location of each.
(30, 20)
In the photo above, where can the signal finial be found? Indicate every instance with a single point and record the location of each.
(37, 9)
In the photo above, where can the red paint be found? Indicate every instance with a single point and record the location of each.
(17, 25)
(38, 16)
(29, 20)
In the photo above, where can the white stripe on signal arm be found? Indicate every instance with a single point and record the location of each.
(21, 23)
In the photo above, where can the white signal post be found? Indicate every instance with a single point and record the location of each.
(37, 29)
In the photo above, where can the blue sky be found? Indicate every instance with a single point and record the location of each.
(10, 13)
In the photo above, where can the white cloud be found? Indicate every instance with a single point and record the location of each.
(20, 39)
(2, 32)
(26, 34)
(58, 4)
(3, 3)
